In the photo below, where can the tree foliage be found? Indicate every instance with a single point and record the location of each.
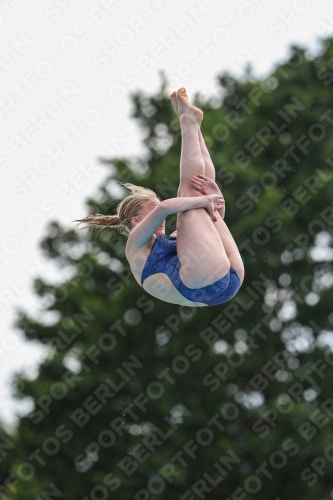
(143, 399)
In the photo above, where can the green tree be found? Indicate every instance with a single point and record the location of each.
(7, 446)
(144, 399)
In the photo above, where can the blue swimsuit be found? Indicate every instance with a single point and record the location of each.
(163, 258)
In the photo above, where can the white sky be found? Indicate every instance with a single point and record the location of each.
(100, 51)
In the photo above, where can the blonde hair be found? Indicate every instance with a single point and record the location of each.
(129, 207)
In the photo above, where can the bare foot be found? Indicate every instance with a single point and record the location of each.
(205, 185)
(173, 99)
(187, 113)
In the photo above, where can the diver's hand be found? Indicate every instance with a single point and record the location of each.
(205, 185)
(213, 202)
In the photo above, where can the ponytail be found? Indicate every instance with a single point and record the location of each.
(129, 207)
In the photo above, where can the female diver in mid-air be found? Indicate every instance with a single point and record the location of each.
(199, 264)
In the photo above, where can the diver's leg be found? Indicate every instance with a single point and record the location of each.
(200, 248)
(209, 166)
